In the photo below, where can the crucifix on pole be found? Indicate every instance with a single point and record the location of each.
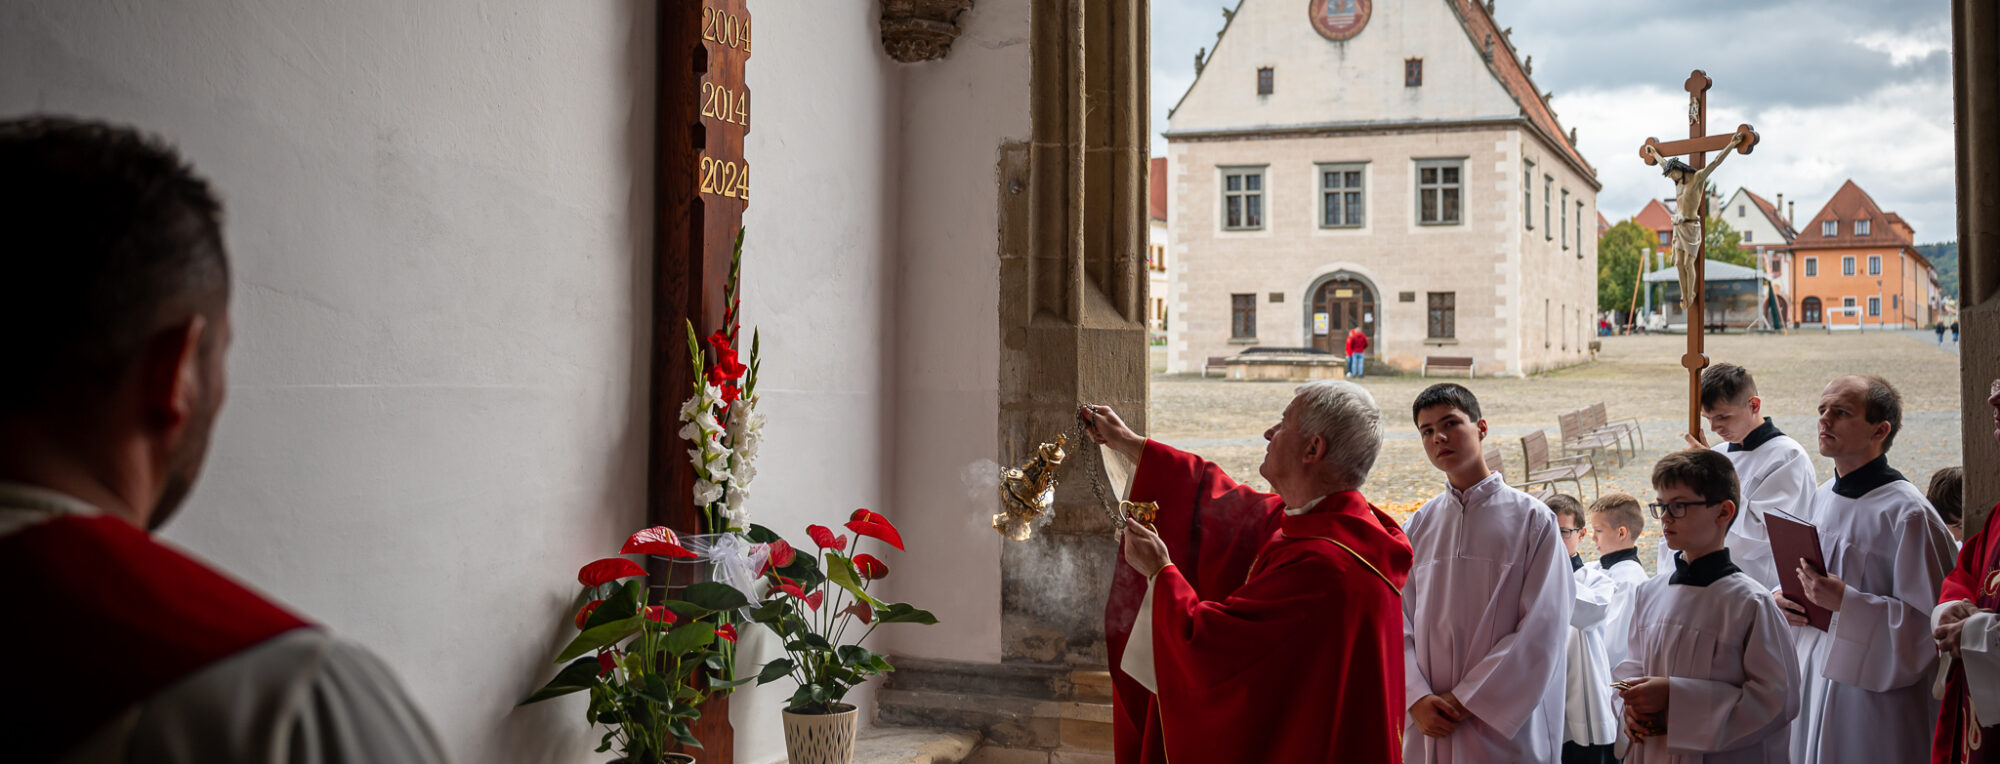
(1690, 215)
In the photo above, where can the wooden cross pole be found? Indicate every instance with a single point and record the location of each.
(1696, 149)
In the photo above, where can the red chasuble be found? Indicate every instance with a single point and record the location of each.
(1300, 662)
(104, 617)
(1959, 737)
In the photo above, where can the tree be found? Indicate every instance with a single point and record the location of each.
(1723, 244)
(1619, 252)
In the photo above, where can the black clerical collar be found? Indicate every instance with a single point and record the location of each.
(1866, 478)
(1763, 434)
(1609, 559)
(1575, 563)
(1710, 568)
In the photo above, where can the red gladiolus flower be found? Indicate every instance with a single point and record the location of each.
(608, 570)
(584, 614)
(730, 393)
(866, 523)
(659, 614)
(782, 554)
(823, 536)
(726, 631)
(727, 367)
(861, 610)
(658, 540)
(870, 567)
(606, 661)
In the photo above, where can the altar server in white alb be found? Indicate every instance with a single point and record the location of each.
(1774, 470)
(1486, 610)
(1868, 676)
(1590, 723)
(1711, 670)
(1616, 522)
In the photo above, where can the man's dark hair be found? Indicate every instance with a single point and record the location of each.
(1446, 394)
(1947, 493)
(1702, 471)
(1881, 403)
(1726, 383)
(108, 234)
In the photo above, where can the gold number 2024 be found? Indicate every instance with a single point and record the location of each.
(725, 178)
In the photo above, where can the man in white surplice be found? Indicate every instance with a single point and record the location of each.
(1487, 608)
(1868, 676)
(1775, 471)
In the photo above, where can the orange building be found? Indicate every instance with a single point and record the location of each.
(1856, 264)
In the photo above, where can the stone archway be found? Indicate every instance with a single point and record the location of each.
(1348, 299)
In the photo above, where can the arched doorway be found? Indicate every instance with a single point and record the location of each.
(1338, 304)
(1809, 311)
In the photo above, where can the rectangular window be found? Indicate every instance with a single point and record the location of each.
(1812, 266)
(1548, 200)
(1874, 265)
(1847, 265)
(1830, 228)
(1243, 199)
(1340, 195)
(1579, 230)
(1243, 316)
(1440, 185)
(1565, 220)
(1413, 72)
(1860, 228)
(1739, 210)
(1874, 307)
(1665, 238)
(1895, 302)
(1746, 237)
(1443, 315)
(1264, 77)
(1528, 194)
(1847, 302)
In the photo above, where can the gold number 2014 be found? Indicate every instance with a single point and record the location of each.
(724, 104)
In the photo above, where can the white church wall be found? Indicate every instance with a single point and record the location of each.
(441, 222)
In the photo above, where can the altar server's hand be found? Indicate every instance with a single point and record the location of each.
(1647, 695)
(1824, 590)
(1110, 431)
(1951, 623)
(1436, 716)
(1795, 613)
(1144, 550)
(1695, 440)
(1640, 726)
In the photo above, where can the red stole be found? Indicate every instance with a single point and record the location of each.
(1304, 662)
(1959, 737)
(1213, 529)
(105, 618)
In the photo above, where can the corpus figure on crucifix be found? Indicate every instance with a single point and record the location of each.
(1689, 187)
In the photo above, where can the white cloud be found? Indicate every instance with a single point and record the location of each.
(1905, 47)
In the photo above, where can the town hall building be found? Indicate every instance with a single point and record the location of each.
(1388, 166)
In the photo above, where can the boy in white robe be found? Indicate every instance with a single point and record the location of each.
(1590, 723)
(1616, 522)
(1773, 469)
(1487, 606)
(1867, 694)
(1711, 676)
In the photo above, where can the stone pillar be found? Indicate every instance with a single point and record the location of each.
(1976, 108)
(1072, 297)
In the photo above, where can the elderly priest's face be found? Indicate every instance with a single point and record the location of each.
(1285, 449)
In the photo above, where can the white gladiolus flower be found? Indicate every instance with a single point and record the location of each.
(734, 504)
(688, 409)
(705, 493)
(745, 471)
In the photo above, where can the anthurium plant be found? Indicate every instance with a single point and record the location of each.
(647, 666)
(818, 602)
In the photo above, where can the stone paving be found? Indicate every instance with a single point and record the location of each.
(1636, 377)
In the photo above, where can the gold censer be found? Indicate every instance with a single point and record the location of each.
(1028, 491)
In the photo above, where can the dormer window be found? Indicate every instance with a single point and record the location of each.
(1264, 76)
(1413, 72)
(1829, 228)
(1861, 227)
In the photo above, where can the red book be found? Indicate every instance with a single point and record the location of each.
(1793, 540)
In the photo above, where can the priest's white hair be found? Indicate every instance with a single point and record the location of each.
(1345, 416)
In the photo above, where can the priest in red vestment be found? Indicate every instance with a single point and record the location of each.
(1270, 624)
(121, 648)
(1968, 633)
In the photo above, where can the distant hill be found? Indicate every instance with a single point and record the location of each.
(1944, 257)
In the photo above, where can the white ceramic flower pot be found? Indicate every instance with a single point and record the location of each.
(821, 738)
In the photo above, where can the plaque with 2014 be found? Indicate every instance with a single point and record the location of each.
(1340, 20)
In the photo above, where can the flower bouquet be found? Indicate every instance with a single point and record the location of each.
(647, 667)
(720, 419)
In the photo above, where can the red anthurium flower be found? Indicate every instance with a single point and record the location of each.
(608, 570)
(823, 536)
(584, 614)
(659, 540)
(866, 523)
(861, 610)
(814, 599)
(791, 589)
(870, 567)
(606, 661)
(782, 554)
(727, 631)
(660, 614)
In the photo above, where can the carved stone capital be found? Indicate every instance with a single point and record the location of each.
(920, 30)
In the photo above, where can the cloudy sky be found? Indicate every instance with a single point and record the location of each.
(1837, 89)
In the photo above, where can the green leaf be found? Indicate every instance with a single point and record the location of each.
(688, 638)
(605, 743)
(580, 674)
(854, 655)
(771, 612)
(715, 596)
(774, 671)
(657, 690)
(679, 730)
(880, 664)
(600, 636)
(724, 684)
(840, 571)
(758, 534)
(903, 612)
(713, 661)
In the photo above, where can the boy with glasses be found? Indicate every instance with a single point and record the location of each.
(1590, 724)
(1711, 675)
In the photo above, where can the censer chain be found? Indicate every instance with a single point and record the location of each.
(1080, 435)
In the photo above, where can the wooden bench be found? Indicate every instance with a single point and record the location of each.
(1216, 363)
(1576, 437)
(1596, 419)
(1541, 468)
(1448, 362)
(1538, 488)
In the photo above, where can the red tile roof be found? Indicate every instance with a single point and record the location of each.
(1602, 224)
(1506, 66)
(1850, 204)
(1156, 196)
(1655, 216)
(1771, 213)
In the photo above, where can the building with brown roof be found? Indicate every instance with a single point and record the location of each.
(1859, 266)
(1764, 231)
(1390, 167)
(1158, 241)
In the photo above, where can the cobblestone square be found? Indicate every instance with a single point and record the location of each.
(1636, 377)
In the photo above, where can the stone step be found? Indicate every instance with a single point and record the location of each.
(1019, 708)
(988, 754)
(1093, 686)
(914, 745)
(1022, 680)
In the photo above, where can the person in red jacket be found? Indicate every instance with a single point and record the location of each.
(1357, 352)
